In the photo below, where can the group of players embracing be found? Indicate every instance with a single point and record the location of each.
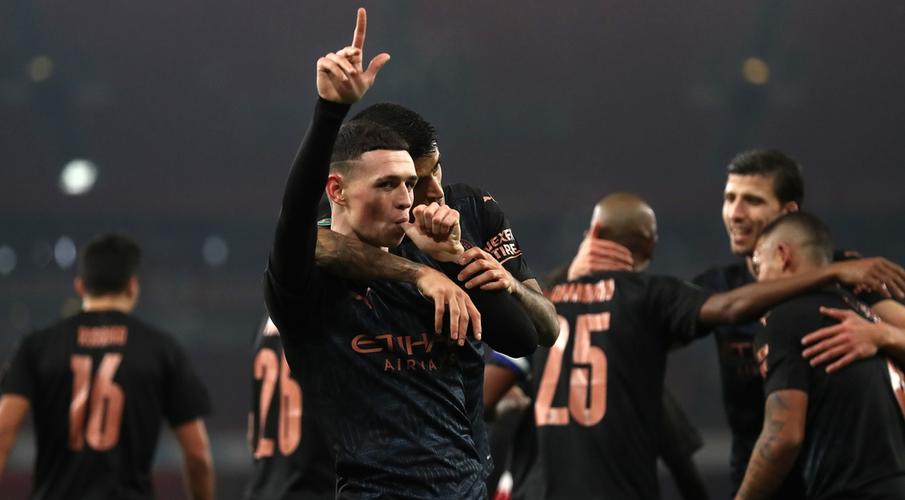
(384, 319)
(401, 316)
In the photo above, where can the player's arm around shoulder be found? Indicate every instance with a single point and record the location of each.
(487, 271)
(852, 337)
(746, 302)
(197, 458)
(13, 408)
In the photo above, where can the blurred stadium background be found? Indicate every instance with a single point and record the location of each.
(175, 123)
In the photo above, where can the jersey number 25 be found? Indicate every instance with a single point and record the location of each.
(587, 380)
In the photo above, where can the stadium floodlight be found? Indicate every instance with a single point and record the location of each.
(78, 177)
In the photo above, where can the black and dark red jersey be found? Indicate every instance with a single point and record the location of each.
(99, 384)
(598, 390)
(742, 385)
(394, 392)
(854, 445)
(293, 459)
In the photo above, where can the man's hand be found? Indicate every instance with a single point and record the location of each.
(851, 339)
(340, 76)
(436, 286)
(436, 232)
(875, 273)
(595, 254)
(484, 271)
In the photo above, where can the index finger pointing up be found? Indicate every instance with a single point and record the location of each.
(361, 26)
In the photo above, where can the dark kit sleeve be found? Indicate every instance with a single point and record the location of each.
(185, 397)
(676, 306)
(778, 348)
(291, 271)
(499, 239)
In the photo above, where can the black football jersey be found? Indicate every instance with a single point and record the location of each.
(292, 458)
(598, 390)
(854, 443)
(742, 385)
(482, 223)
(99, 384)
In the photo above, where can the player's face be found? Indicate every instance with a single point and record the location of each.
(430, 177)
(749, 204)
(379, 196)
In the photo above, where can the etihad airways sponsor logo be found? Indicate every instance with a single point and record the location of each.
(403, 352)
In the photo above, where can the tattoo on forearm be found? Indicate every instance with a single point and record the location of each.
(540, 311)
(350, 258)
(773, 456)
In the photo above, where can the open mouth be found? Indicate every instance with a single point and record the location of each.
(741, 233)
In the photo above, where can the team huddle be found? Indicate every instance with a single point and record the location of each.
(405, 334)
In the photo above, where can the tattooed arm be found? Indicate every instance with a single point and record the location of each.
(778, 445)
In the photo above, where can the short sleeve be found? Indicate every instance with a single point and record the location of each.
(499, 239)
(676, 306)
(778, 349)
(18, 376)
(186, 398)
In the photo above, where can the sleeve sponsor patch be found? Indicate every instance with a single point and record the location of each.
(503, 246)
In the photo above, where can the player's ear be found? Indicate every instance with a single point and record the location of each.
(79, 286)
(335, 189)
(790, 207)
(784, 252)
(133, 288)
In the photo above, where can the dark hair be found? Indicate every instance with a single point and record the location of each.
(360, 136)
(421, 135)
(107, 263)
(816, 235)
(788, 184)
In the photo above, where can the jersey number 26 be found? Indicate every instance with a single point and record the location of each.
(268, 369)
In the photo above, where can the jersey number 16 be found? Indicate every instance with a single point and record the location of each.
(105, 400)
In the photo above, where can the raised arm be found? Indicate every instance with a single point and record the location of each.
(747, 302)
(196, 456)
(341, 81)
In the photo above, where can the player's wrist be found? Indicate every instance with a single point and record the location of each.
(419, 273)
(832, 272)
(883, 335)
